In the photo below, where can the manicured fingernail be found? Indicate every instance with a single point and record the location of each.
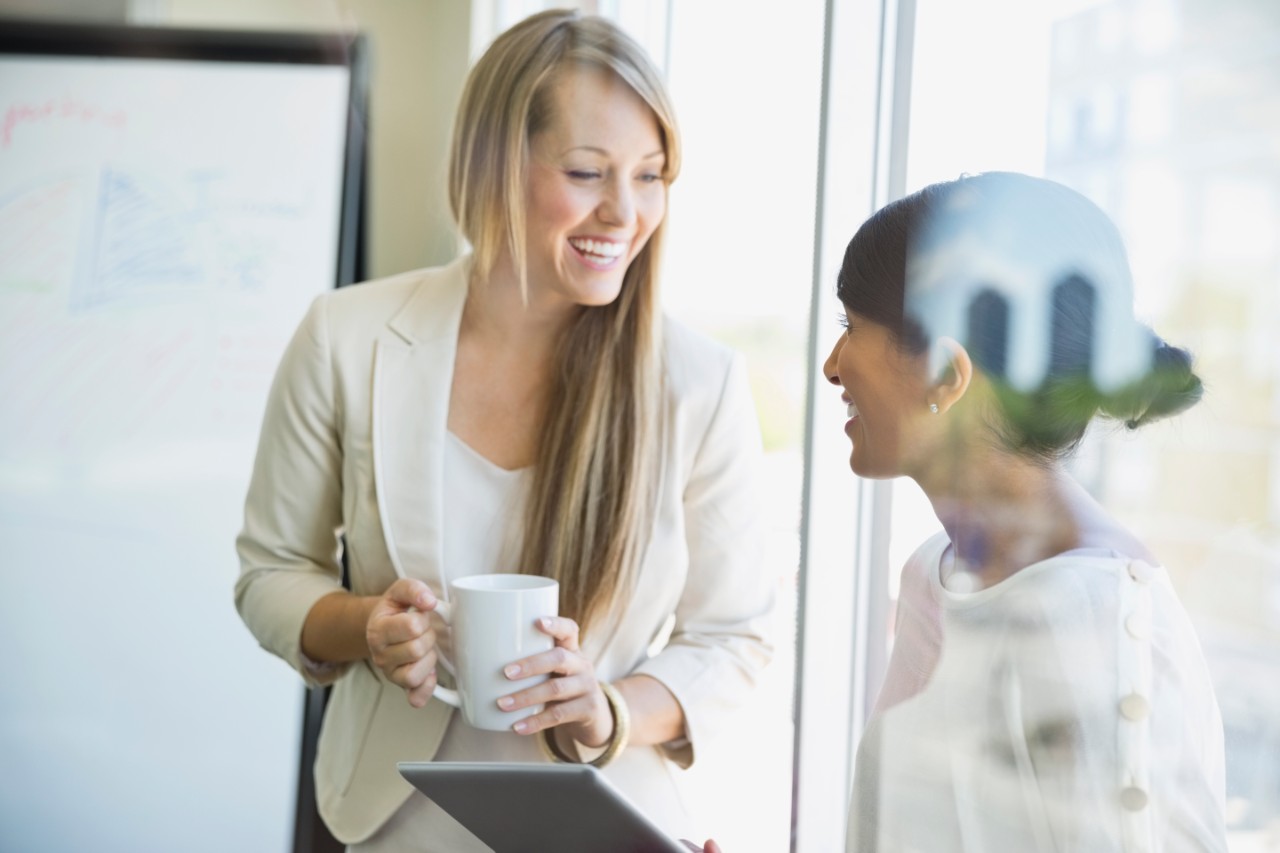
(506, 702)
(512, 671)
(521, 727)
(544, 622)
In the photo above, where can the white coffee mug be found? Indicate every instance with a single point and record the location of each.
(494, 618)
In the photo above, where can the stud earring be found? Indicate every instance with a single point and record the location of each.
(933, 407)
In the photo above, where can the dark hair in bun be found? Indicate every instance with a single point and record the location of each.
(1171, 387)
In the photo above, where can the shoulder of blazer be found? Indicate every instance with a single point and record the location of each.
(417, 305)
(694, 363)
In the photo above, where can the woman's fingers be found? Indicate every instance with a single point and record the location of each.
(558, 661)
(577, 710)
(571, 696)
(402, 627)
(551, 690)
(391, 656)
(421, 695)
(418, 678)
(409, 592)
(562, 629)
(420, 685)
(403, 646)
(401, 641)
(401, 615)
(414, 673)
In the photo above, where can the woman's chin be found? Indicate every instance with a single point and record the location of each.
(600, 293)
(867, 471)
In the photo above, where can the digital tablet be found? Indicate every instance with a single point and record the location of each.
(539, 808)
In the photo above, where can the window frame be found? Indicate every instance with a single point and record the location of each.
(843, 599)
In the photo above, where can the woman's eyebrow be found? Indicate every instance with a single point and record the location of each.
(597, 150)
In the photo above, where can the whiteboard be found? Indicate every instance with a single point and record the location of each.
(164, 224)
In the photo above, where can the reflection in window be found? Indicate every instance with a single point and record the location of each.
(1074, 309)
(1191, 174)
(988, 328)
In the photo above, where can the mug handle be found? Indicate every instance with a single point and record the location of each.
(445, 694)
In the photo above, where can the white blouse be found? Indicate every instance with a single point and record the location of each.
(1067, 708)
(483, 509)
(483, 504)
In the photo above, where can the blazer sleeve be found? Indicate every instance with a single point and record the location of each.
(289, 546)
(720, 639)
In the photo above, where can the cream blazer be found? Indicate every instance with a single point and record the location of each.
(352, 443)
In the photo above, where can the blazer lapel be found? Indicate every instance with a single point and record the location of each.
(412, 378)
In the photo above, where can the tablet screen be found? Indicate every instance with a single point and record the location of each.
(537, 808)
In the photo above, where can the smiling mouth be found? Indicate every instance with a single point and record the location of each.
(852, 411)
(599, 254)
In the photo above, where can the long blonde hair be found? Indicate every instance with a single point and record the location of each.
(589, 503)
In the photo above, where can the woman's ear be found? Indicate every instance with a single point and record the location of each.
(953, 371)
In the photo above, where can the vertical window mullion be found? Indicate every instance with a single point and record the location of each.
(843, 580)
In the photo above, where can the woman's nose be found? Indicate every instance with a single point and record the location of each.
(619, 204)
(829, 366)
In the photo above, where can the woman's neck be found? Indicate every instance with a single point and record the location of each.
(497, 315)
(1004, 512)
(503, 372)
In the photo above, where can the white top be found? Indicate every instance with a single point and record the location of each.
(483, 509)
(1067, 708)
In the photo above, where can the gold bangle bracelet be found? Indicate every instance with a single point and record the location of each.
(617, 741)
(551, 749)
(621, 726)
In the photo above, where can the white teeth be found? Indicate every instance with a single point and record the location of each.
(599, 248)
(853, 410)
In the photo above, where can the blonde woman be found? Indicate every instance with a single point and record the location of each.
(524, 408)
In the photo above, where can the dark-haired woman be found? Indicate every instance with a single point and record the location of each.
(1046, 691)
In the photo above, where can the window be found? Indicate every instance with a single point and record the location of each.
(1165, 123)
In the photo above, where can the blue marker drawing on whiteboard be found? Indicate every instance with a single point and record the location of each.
(143, 247)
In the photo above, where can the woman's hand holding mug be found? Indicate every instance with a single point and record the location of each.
(401, 641)
(571, 696)
(494, 621)
(556, 686)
